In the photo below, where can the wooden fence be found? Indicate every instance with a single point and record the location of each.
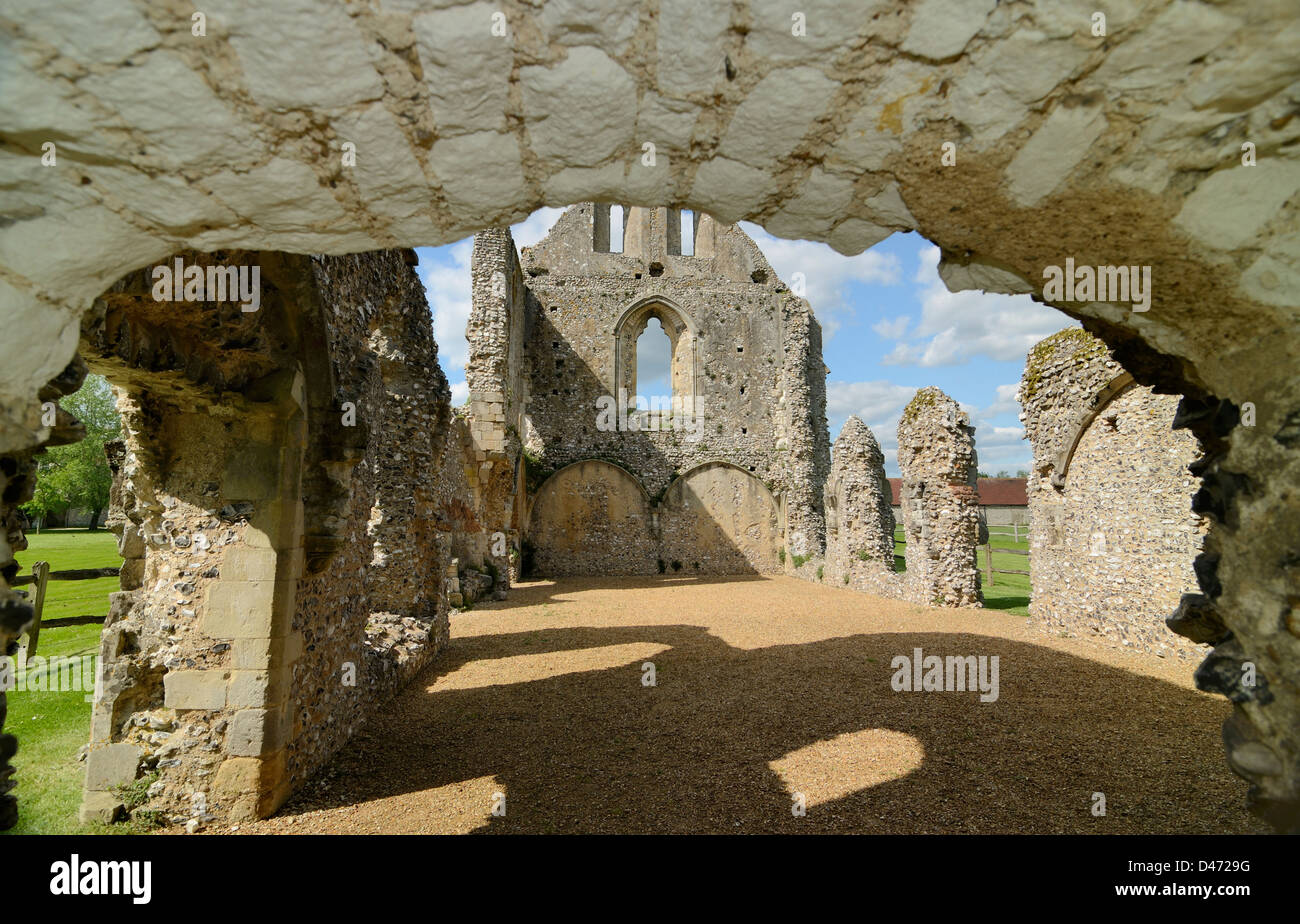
(988, 552)
(42, 575)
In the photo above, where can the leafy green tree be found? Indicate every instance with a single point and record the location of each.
(77, 475)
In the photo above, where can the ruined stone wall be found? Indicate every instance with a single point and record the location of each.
(746, 356)
(592, 517)
(385, 361)
(1112, 532)
(276, 491)
(716, 519)
(941, 519)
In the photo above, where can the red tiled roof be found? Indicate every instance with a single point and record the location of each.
(994, 492)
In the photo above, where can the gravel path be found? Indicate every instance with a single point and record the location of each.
(766, 687)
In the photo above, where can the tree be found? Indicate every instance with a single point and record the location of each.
(77, 475)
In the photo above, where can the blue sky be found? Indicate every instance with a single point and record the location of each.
(889, 327)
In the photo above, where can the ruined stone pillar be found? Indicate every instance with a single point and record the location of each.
(941, 518)
(860, 520)
(494, 374)
(807, 440)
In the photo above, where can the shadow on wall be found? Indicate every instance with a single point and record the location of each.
(595, 517)
(653, 760)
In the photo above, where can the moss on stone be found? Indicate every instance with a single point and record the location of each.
(1073, 341)
(924, 397)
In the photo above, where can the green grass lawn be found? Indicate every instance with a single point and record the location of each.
(52, 726)
(1008, 592)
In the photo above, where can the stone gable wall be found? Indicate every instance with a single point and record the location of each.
(758, 380)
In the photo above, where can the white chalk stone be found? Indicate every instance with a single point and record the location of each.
(580, 111)
(1059, 144)
(466, 68)
(941, 28)
(790, 98)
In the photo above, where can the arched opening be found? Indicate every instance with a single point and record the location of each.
(652, 376)
(670, 351)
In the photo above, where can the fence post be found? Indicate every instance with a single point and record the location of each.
(1015, 530)
(40, 571)
(988, 561)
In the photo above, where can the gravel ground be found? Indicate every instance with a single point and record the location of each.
(765, 687)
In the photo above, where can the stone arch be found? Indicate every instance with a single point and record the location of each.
(1112, 390)
(812, 140)
(592, 517)
(1112, 532)
(682, 334)
(723, 518)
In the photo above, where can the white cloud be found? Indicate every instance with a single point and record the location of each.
(1005, 403)
(533, 228)
(892, 329)
(447, 285)
(999, 447)
(459, 393)
(956, 327)
(826, 273)
(873, 402)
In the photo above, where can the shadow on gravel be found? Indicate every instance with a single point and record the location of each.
(596, 751)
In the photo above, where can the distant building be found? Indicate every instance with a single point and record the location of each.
(1003, 501)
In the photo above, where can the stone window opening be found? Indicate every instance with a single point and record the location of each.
(680, 232)
(652, 376)
(677, 372)
(608, 223)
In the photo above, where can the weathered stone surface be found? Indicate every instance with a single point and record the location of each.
(110, 766)
(941, 519)
(700, 488)
(100, 807)
(1112, 533)
(858, 494)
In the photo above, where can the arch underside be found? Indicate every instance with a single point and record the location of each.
(1123, 149)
